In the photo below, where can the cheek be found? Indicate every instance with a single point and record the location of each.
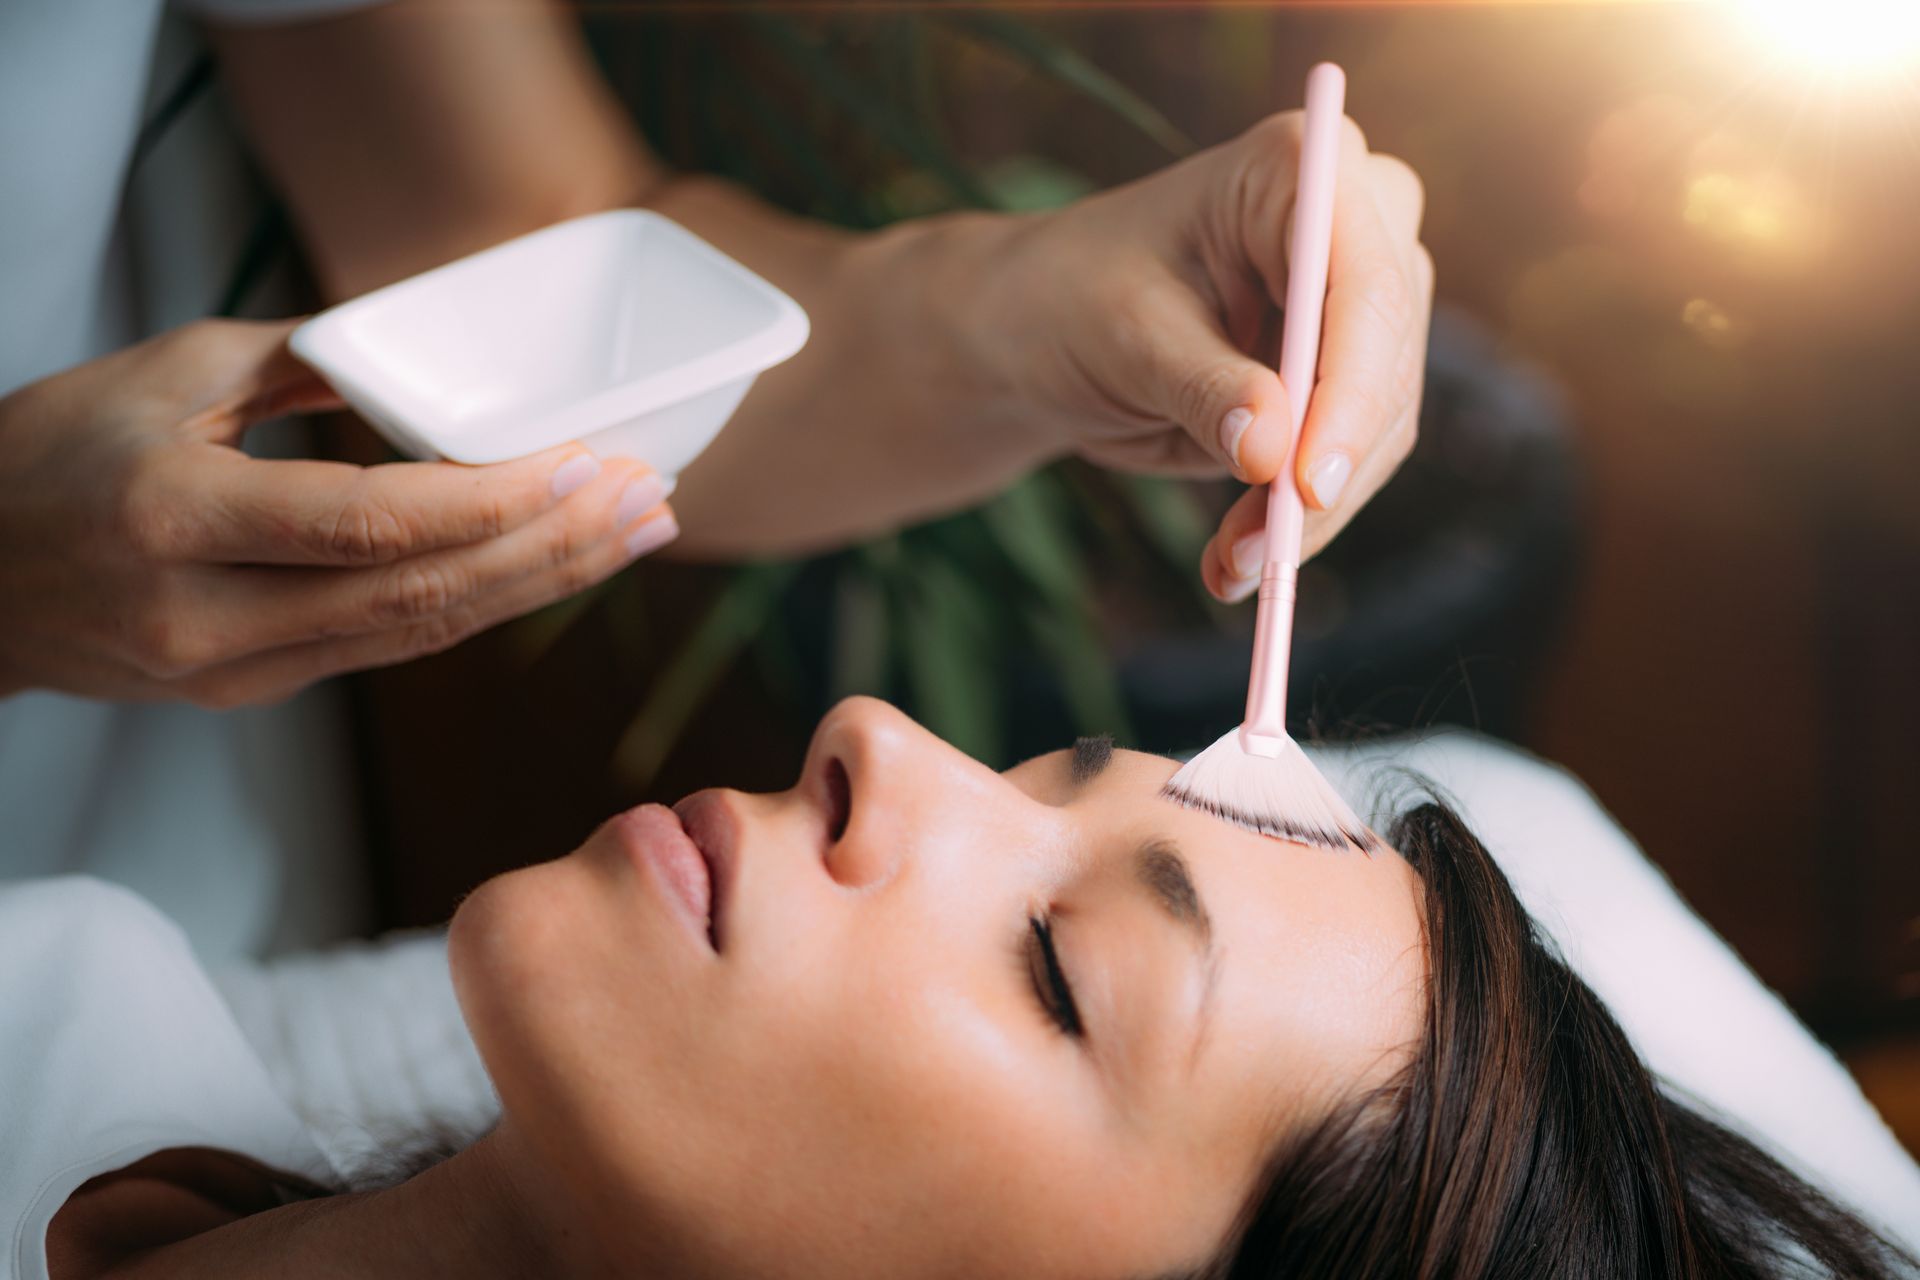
(910, 1126)
(525, 966)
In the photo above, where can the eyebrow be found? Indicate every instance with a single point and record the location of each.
(1159, 866)
(1090, 757)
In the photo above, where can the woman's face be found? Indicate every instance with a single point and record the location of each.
(1040, 1023)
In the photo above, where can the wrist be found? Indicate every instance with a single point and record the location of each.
(799, 255)
(953, 305)
(933, 317)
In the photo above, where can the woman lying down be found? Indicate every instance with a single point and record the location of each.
(915, 1018)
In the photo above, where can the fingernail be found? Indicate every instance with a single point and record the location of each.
(573, 473)
(1248, 554)
(653, 535)
(1239, 589)
(642, 496)
(1233, 428)
(1328, 477)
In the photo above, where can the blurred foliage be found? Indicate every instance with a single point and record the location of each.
(843, 116)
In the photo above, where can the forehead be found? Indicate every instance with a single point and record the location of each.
(1320, 965)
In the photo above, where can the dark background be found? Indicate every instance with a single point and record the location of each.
(1671, 461)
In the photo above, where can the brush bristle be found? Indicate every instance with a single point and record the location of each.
(1282, 796)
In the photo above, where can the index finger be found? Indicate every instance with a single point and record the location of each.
(238, 509)
(1375, 309)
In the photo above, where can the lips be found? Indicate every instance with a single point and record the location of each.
(662, 846)
(709, 824)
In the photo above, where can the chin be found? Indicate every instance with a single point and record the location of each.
(509, 951)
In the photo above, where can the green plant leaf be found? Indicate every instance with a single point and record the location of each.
(1029, 184)
(1169, 516)
(860, 633)
(949, 660)
(1068, 68)
(1031, 524)
(773, 652)
(923, 75)
(840, 200)
(691, 674)
(535, 635)
(812, 62)
(1085, 670)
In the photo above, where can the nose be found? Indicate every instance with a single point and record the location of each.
(881, 782)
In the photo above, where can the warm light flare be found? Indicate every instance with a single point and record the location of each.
(1838, 36)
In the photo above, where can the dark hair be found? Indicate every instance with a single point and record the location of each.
(1526, 1138)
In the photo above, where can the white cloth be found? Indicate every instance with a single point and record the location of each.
(240, 826)
(114, 1045)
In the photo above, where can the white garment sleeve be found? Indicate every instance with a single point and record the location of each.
(115, 1045)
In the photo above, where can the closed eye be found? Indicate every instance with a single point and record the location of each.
(1049, 979)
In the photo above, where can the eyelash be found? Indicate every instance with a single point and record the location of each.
(1049, 979)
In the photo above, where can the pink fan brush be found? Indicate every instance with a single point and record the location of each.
(1256, 776)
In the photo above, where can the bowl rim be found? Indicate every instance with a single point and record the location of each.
(411, 420)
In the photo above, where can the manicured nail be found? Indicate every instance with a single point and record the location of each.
(1239, 589)
(1248, 554)
(1328, 477)
(642, 496)
(1233, 429)
(573, 473)
(653, 535)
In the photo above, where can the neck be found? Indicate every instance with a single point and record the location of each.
(463, 1217)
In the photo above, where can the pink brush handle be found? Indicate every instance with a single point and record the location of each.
(1266, 723)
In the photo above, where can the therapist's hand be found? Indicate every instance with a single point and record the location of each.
(144, 556)
(1144, 322)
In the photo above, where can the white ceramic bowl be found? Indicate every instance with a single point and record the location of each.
(621, 330)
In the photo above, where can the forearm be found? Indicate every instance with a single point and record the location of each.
(893, 412)
(411, 132)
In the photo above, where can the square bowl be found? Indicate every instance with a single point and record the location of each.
(621, 330)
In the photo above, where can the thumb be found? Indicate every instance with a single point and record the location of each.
(235, 373)
(1233, 406)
